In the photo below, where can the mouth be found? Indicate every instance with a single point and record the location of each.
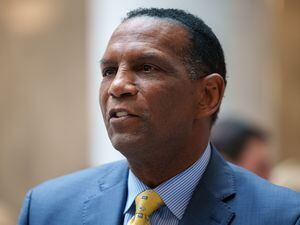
(120, 113)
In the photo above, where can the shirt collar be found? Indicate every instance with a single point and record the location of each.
(175, 192)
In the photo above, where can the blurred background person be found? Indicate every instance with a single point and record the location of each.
(244, 145)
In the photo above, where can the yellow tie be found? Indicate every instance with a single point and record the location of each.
(146, 203)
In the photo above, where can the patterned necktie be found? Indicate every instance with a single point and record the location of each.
(146, 203)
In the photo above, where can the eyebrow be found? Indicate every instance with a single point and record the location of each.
(158, 58)
(143, 56)
(107, 61)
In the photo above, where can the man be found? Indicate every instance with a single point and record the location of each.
(244, 145)
(163, 81)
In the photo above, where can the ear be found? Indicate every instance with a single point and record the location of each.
(210, 94)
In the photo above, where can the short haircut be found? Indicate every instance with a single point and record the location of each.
(231, 136)
(204, 54)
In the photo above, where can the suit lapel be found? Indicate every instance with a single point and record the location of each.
(209, 202)
(106, 207)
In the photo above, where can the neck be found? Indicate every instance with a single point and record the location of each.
(155, 170)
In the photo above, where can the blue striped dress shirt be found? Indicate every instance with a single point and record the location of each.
(175, 192)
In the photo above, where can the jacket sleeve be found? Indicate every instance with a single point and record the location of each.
(24, 214)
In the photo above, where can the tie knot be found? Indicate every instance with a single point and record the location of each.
(147, 202)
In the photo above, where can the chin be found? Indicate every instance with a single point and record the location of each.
(127, 144)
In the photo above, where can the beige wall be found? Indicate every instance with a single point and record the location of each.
(43, 93)
(290, 98)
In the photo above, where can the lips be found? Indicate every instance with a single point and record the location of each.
(120, 113)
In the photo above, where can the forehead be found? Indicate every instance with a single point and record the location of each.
(147, 32)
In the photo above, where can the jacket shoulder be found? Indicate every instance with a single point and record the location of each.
(81, 179)
(260, 197)
(76, 187)
(60, 200)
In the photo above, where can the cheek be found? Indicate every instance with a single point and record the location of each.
(103, 96)
(171, 105)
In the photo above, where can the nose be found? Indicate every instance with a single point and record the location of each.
(123, 84)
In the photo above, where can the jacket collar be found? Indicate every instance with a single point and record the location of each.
(209, 202)
(106, 205)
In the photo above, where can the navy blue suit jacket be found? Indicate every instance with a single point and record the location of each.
(225, 195)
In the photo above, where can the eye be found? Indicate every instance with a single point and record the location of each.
(148, 68)
(109, 72)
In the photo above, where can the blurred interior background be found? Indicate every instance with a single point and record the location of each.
(50, 121)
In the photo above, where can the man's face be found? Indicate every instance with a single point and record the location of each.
(146, 96)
